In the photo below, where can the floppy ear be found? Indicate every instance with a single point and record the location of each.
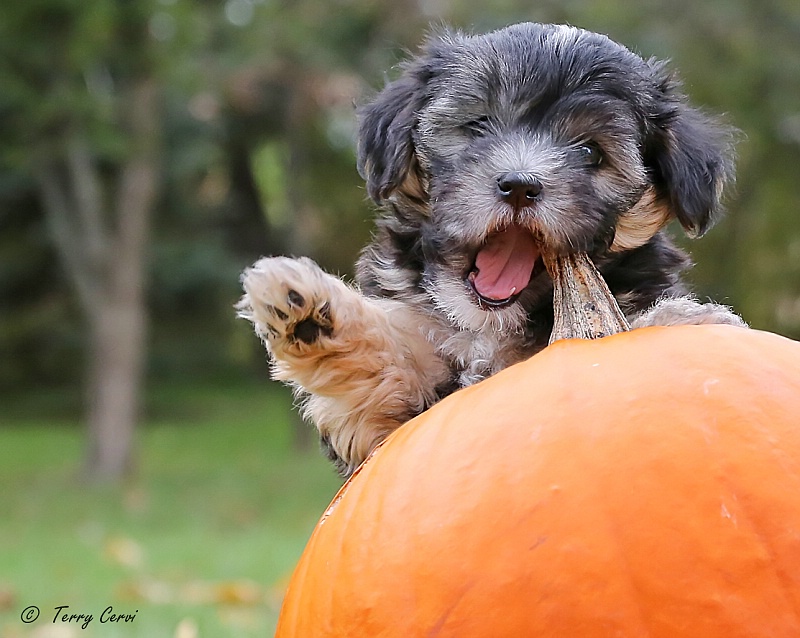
(690, 156)
(387, 157)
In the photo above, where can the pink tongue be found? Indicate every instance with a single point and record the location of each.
(504, 265)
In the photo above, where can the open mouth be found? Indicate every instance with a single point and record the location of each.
(504, 266)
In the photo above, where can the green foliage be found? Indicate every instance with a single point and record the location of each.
(269, 169)
(60, 62)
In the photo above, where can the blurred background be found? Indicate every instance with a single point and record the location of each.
(149, 151)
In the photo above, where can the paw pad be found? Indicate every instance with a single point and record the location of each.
(283, 314)
(309, 330)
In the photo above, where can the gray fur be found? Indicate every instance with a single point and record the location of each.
(525, 98)
(604, 150)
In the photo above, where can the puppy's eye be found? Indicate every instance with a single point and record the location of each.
(590, 153)
(478, 126)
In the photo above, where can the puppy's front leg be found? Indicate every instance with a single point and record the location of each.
(362, 365)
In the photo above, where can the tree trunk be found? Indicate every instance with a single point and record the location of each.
(104, 252)
(115, 364)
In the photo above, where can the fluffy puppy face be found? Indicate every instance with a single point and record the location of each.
(492, 149)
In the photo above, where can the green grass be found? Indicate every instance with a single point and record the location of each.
(206, 534)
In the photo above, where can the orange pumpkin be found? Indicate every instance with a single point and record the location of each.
(645, 484)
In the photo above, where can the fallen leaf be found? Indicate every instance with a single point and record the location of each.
(187, 628)
(55, 631)
(239, 592)
(151, 591)
(124, 551)
(8, 597)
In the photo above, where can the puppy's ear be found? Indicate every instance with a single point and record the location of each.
(690, 156)
(387, 158)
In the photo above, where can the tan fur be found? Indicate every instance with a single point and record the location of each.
(640, 224)
(364, 378)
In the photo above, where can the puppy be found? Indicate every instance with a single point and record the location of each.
(487, 151)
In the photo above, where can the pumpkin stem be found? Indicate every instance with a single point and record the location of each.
(584, 306)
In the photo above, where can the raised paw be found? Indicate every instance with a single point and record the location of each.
(288, 300)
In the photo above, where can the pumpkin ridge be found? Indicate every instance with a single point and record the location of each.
(774, 557)
(644, 620)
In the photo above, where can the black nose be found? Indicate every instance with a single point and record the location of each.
(518, 189)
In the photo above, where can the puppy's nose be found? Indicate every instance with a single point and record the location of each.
(518, 189)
